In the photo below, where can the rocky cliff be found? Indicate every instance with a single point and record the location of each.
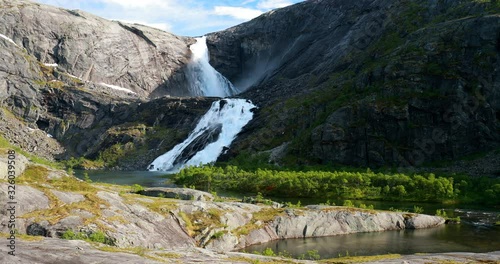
(368, 83)
(143, 59)
(75, 85)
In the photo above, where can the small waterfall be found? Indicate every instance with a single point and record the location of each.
(203, 79)
(214, 132)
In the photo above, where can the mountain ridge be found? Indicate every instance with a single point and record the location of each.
(366, 83)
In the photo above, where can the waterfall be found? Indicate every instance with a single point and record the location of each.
(203, 79)
(212, 135)
(217, 129)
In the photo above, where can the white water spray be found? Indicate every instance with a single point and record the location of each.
(204, 79)
(220, 125)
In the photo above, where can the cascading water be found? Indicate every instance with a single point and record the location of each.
(214, 132)
(218, 127)
(204, 79)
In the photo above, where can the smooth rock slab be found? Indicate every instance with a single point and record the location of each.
(178, 193)
(67, 197)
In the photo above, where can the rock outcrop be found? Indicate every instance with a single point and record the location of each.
(226, 226)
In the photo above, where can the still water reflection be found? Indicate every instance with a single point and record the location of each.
(446, 238)
(143, 178)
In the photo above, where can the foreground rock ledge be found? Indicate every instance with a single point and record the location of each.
(54, 251)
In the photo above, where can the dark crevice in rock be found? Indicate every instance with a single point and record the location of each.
(36, 230)
(75, 13)
(42, 124)
(138, 32)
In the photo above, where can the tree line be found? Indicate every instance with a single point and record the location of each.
(366, 185)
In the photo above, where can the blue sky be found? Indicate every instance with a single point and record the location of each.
(181, 17)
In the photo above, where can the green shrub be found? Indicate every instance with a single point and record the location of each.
(137, 188)
(418, 209)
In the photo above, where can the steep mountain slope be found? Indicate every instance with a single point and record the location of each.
(368, 83)
(364, 83)
(142, 59)
(62, 111)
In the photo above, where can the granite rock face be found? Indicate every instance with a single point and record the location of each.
(142, 59)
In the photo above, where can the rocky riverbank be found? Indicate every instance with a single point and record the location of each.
(52, 203)
(193, 226)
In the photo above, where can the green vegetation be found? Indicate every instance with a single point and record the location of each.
(137, 188)
(366, 185)
(97, 236)
(360, 259)
(443, 214)
(45, 180)
(310, 255)
(23, 237)
(418, 209)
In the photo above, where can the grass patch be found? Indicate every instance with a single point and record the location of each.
(259, 261)
(189, 224)
(98, 236)
(143, 252)
(37, 176)
(360, 259)
(265, 215)
(198, 220)
(23, 237)
(169, 255)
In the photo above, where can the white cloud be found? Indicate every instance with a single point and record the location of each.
(237, 12)
(248, 2)
(183, 17)
(141, 3)
(272, 4)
